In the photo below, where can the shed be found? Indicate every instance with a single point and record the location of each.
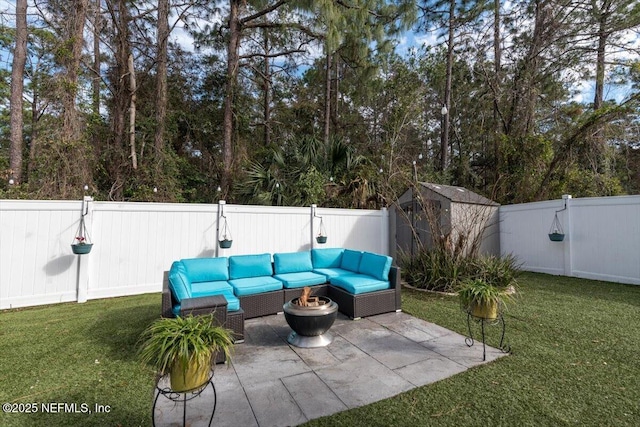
(466, 218)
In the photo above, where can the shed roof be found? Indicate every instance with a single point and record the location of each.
(458, 194)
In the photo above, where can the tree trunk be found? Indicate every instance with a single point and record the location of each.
(161, 75)
(497, 62)
(17, 88)
(233, 60)
(70, 123)
(132, 113)
(267, 90)
(95, 84)
(600, 65)
(444, 135)
(327, 100)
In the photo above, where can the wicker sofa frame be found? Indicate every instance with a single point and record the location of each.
(263, 304)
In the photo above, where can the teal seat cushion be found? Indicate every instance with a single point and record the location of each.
(375, 265)
(292, 262)
(332, 272)
(233, 303)
(359, 283)
(244, 266)
(254, 285)
(299, 280)
(351, 260)
(206, 269)
(179, 283)
(205, 289)
(326, 258)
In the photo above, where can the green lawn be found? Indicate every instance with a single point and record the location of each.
(574, 362)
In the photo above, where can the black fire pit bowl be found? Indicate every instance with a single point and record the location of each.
(310, 324)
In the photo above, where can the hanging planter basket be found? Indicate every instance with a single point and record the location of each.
(82, 243)
(555, 232)
(321, 238)
(81, 249)
(227, 240)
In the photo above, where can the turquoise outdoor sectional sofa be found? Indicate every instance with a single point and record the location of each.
(245, 286)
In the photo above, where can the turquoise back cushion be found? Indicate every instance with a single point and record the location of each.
(351, 260)
(375, 265)
(293, 262)
(179, 283)
(326, 258)
(241, 266)
(207, 269)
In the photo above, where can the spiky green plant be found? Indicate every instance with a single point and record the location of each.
(189, 339)
(477, 292)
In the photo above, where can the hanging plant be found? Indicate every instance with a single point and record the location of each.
(556, 234)
(82, 242)
(321, 238)
(226, 240)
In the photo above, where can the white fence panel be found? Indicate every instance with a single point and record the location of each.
(36, 262)
(135, 242)
(602, 237)
(606, 239)
(524, 232)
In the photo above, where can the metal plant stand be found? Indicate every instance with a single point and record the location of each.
(184, 397)
(505, 348)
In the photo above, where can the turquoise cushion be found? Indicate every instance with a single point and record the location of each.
(206, 269)
(332, 272)
(205, 289)
(299, 280)
(326, 258)
(242, 266)
(179, 283)
(233, 303)
(293, 262)
(351, 260)
(208, 289)
(359, 283)
(254, 285)
(375, 265)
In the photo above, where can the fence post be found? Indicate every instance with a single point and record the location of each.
(83, 260)
(313, 215)
(384, 231)
(568, 254)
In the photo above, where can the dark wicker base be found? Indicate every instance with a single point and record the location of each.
(263, 304)
(235, 322)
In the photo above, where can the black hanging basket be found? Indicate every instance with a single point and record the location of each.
(556, 234)
(227, 240)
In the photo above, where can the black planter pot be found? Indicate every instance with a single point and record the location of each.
(556, 237)
(225, 244)
(321, 239)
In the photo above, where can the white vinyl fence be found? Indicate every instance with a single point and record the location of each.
(135, 242)
(602, 237)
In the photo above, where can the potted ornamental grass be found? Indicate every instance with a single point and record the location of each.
(184, 348)
(482, 299)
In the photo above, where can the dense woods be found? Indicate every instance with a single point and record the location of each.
(293, 102)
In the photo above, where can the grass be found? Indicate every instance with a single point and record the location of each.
(574, 361)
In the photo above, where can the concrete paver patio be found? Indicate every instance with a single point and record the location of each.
(271, 383)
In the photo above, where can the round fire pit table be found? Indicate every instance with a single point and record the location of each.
(310, 324)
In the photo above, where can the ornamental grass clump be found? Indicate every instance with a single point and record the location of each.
(176, 345)
(482, 299)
